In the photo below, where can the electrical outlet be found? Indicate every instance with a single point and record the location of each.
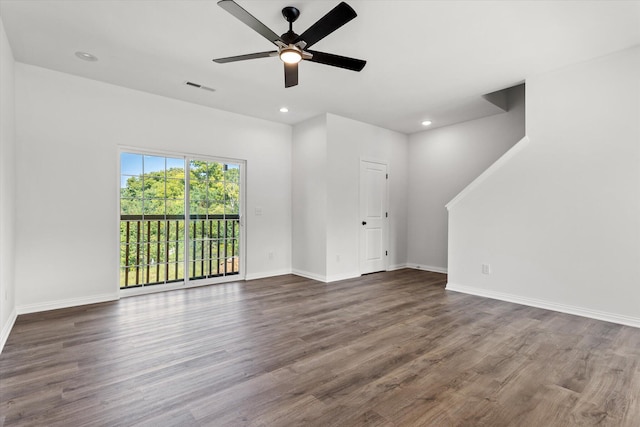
(337, 258)
(271, 255)
(486, 268)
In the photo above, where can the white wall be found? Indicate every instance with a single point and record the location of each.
(68, 131)
(559, 223)
(348, 142)
(445, 160)
(309, 173)
(326, 174)
(7, 188)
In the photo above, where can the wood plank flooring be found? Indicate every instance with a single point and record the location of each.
(388, 349)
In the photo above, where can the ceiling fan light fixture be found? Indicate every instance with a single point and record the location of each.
(290, 55)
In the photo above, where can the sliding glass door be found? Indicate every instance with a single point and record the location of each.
(177, 226)
(214, 228)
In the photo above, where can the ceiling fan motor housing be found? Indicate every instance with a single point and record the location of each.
(289, 37)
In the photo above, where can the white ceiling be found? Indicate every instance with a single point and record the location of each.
(425, 59)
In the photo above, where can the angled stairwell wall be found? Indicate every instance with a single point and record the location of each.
(556, 223)
(443, 161)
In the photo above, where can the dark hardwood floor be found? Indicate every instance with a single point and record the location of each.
(389, 349)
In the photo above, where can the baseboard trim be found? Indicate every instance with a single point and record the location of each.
(6, 330)
(308, 275)
(73, 302)
(353, 275)
(344, 276)
(547, 305)
(265, 274)
(325, 279)
(427, 268)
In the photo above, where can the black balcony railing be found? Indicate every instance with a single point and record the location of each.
(152, 248)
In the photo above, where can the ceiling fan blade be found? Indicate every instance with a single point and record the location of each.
(334, 19)
(234, 8)
(245, 57)
(337, 60)
(290, 75)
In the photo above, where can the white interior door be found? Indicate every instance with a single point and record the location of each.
(373, 214)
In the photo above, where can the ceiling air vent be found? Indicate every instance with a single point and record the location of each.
(199, 86)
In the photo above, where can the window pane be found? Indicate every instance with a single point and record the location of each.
(202, 227)
(233, 264)
(232, 174)
(214, 248)
(125, 257)
(216, 197)
(231, 248)
(233, 229)
(131, 280)
(159, 227)
(232, 191)
(198, 207)
(195, 250)
(210, 250)
(150, 232)
(198, 170)
(216, 191)
(175, 167)
(175, 252)
(153, 207)
(130, 186)
(140, 275)
(122, 276)
(136, 254)
(154, 187)
(196, 231)
(130, 164)
(154, 165)
(216, 171)
(226, 265)
(160, 273)
(175, 207)
(196, 270)
(131, 207)
(134, 227)
(175, 188)
(198, 189)
(215, 226)
(123, 231)
(231, 207)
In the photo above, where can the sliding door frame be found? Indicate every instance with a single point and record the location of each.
(187, 282)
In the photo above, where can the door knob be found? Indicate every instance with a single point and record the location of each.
(364, 222)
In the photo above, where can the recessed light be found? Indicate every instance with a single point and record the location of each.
(426, 123)
(86, 56)
(284, 110)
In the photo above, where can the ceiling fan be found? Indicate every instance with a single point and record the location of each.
(293, 48)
